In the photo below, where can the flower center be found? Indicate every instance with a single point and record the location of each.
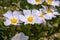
(49, 1)
(38, 0)
(41, 15)
(49, 11)
(30, 19)
(14, 20)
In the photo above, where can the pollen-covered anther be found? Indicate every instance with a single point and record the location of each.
(41, 15)
(49, 11)
(30, 19)
(13, 20)
(38, 0)
(49, 1)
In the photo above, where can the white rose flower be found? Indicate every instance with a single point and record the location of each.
(50, 13)
(12, 18)
(53, 2)
(20, 36)
(28, 17)
(40, 16)
(35, 2)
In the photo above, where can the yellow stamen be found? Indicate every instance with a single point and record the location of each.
(49, 11)
(30, 19)
(49, 2)
(41, 15)
(38, 0)
(14, 20)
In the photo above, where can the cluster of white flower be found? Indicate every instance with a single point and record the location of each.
(29, 17)
(32, 16)
(49, 2)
